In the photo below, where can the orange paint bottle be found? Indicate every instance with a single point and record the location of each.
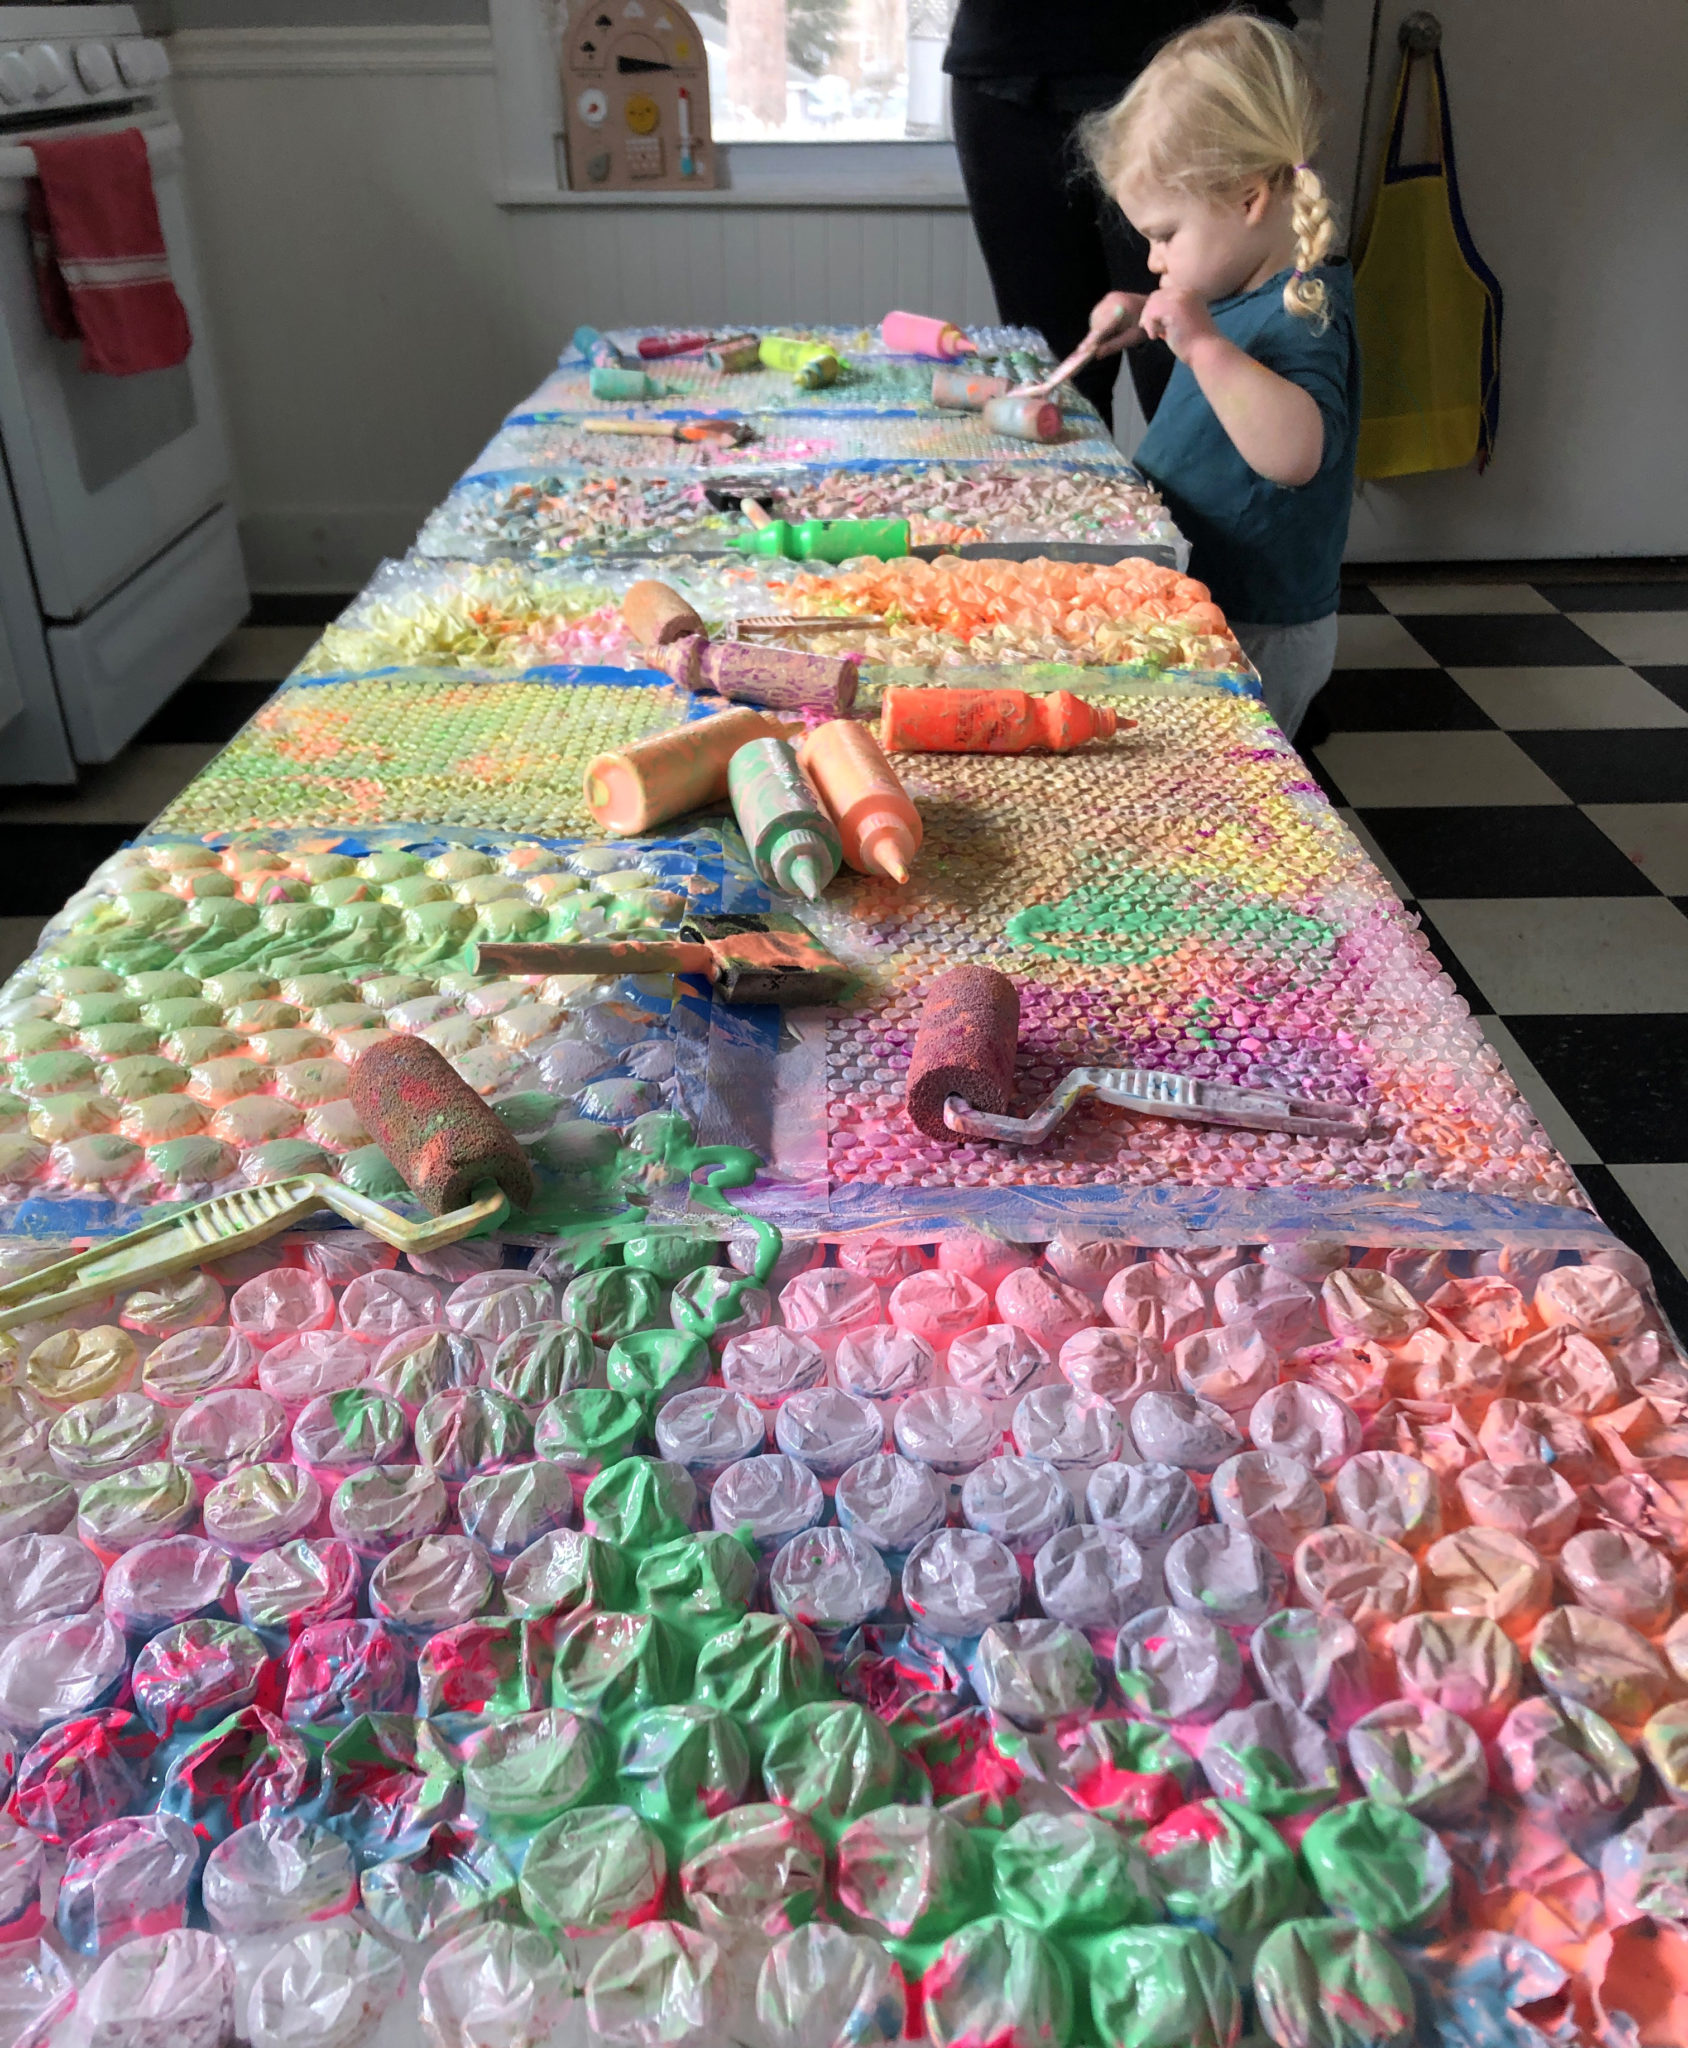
(875, 815)
(989, 721)
(672, 772)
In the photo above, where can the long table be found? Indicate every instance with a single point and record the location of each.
(1165, 1581)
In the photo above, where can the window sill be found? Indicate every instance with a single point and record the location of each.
(902, 176)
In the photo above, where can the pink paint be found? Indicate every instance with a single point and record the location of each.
(1149, 1797)
(1195, 1822)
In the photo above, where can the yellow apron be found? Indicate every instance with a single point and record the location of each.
(1427, 312)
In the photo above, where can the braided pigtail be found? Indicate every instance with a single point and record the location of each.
(1229, 100)
(1310, 217)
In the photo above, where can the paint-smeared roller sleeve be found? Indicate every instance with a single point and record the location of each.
(434, 1128)
(969, 1030)
(655, 614)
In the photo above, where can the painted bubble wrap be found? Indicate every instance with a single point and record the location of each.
(1182, 897)
(782, 438)
(548, 513)
(1063, 1646)
(870, 377)
(189, 1021)
(422, 612)
(882, 387)
(440, 746)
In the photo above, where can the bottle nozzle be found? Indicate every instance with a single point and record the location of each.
(803, 873)
(887, 845)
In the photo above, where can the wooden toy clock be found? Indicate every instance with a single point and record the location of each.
(636, 95)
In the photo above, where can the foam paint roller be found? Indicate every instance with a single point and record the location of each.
(783, 678)
(610, 380)
(969, 1034)
(961, 1079)
(452, 1152)
(965, 391)
(1023, 419)
(435, 1129)
(654, 614)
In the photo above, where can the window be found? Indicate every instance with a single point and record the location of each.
(825, 70)
(812, 102)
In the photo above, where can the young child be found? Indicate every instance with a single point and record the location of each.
(1253, 444)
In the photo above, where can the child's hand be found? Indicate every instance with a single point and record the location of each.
(1117, 317)
(1178, 317)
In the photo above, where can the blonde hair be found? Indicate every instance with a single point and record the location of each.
(1226, 101)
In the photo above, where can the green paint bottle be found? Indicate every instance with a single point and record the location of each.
(793, 844)
(826, 540)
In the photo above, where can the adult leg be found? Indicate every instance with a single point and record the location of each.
(1036, 223)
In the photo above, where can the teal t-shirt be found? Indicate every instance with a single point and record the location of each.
(1271, 554)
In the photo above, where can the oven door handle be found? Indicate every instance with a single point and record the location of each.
(17, 159)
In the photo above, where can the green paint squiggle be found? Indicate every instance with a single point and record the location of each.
(1138, 918)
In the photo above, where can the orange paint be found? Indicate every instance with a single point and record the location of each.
(876, 817)
(989, 721)
(1646, 1981)
(672, 772)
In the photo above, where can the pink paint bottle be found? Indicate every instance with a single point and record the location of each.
(918, 334)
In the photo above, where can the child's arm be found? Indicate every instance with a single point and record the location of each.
(1274, 425)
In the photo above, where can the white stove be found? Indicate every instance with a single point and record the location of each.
(52, 65)
(120, 568)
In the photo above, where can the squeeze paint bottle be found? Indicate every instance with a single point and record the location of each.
(739, 352)
(918, 334)
(658, 778)
(787, 677)
(821, 540)
(811, 363)
(877, 821)
(793, 843)
(915, 721)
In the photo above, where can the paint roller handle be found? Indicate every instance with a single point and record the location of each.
(1114, 333)
(611, 956)
(222, 1226)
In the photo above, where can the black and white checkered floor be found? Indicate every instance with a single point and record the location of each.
(1514, 754)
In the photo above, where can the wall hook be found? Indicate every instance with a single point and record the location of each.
(1420, 33)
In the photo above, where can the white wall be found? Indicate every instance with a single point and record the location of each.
(1572, 153)
(376, 310)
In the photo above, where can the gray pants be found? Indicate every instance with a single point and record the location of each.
(1294, 663)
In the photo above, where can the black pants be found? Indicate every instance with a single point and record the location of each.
(1054, 243)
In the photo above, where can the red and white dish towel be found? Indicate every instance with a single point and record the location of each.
(101, 267)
